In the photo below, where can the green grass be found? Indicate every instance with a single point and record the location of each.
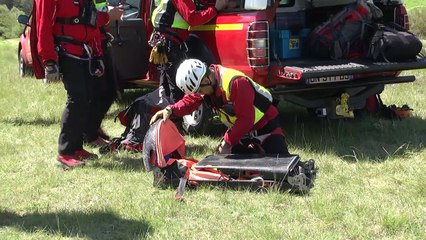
(371, 183)
(410, 4)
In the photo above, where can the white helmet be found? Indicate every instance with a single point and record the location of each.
(189, 75)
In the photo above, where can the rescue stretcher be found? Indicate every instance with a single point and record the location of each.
(164, 154)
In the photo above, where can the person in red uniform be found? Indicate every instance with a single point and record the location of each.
(243, 105)
(106, 85)
(171, 20)
(69, 44)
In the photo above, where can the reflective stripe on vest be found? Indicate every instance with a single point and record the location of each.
(262, 99)
(162, 16)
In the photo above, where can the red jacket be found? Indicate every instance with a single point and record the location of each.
(187, 10)
(242, 97)
(47, 27)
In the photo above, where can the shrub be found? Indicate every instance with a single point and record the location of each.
(417, 21)
(9, 27)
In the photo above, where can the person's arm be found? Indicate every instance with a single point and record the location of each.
(242, 97)
(115, 13)
(187, 10)
(188, 104)
(102, 19)
(46, 10)
(185, 106)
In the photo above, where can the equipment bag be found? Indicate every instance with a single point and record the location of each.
(335, 37)
(391, 112)
(136, 119)
(393, 44)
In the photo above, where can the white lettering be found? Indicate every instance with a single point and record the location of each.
(329, 79)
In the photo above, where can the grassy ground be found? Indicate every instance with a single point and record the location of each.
(371, 183)
(410, 4)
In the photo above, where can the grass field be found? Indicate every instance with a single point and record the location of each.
(410, 4)
(371, 182)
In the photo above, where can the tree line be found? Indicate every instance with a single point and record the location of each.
(9, 12)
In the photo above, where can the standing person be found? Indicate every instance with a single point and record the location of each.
(69, 43)
(106, 86)
(171, 20)
(244, 106)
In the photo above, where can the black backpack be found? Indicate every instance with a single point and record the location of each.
(136, 119)
(392, 42)
(335, 37)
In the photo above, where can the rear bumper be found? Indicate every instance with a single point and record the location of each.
(350, 68)
(297, 72)
(281, 90)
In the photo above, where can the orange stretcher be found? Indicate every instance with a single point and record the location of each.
(164, 154)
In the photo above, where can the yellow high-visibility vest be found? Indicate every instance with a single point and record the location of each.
(158, 13)
(263, 98)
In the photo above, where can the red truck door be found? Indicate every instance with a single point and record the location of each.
(129, 53)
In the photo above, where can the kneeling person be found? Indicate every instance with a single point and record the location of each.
(244, 106)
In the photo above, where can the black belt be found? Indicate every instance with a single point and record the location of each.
(67, 39)
(71, 20)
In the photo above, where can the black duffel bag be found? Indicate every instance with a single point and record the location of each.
(393, 44)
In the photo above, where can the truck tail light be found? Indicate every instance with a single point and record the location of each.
(258, 44)
(401, 16)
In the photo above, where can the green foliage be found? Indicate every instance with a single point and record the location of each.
(410, 4)
(8, 3)
(24, 5)
(417, 21)
(9, 27)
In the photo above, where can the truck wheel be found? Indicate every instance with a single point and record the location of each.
(23, 69)
(199, 122)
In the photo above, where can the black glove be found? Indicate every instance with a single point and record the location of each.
(51, 72)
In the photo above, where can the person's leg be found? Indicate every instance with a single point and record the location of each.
(103, 95)
(275, 144)
(109, 93)
(164, 89)
(109, 87)
(239, 149)
(75, 115)
(247, 146)
(175, 56)
(99, 105)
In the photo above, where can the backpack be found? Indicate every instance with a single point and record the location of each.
(376, 106)
(136, 119)
(393, 43)
(335, 37)
(164, 154)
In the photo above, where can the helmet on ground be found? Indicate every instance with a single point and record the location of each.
(189, 75)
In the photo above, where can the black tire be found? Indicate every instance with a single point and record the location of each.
(200, 122)
(24, 70)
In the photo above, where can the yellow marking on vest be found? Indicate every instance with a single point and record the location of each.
(218, 27)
